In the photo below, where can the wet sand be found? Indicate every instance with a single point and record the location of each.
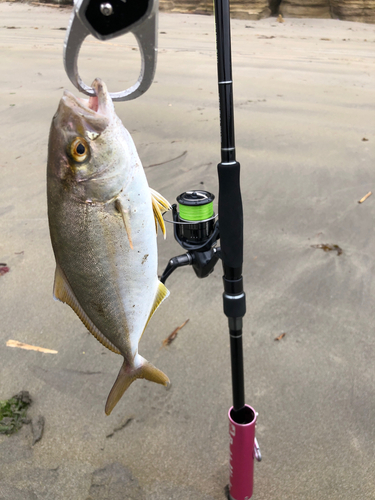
(304, 117)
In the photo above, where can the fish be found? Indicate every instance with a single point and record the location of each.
(103, 220)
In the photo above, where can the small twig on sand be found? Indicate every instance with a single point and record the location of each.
(280, 336)
(21, 345)
(365, 197)
(173, 335)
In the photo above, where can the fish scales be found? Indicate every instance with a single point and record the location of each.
(102, 228)
(115, 298)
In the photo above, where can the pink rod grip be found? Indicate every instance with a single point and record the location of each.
(241, 455)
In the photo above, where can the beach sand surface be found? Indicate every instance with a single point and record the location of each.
(304, 99)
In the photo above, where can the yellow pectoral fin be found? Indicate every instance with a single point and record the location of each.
(125, 217)
(159, 203)
(63, 292)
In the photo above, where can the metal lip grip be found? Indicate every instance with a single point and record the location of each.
(106, 19)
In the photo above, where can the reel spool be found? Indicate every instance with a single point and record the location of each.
(195, 218)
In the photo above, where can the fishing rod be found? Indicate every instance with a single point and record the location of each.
(242, 418)
(196, 232)
(196, 227)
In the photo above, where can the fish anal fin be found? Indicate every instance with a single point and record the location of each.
(127, 375)
(125, 217)
(60, 287)
(63, 292)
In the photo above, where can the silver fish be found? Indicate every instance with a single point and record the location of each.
(102, 216)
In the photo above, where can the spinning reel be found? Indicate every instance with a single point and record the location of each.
(197, 231)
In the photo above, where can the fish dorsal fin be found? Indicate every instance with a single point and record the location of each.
(162, 202)
(161, 294)
(63, 292)
(158, 217)
(125, 217)
(159, 203)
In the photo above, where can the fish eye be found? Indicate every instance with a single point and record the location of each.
(79, 150)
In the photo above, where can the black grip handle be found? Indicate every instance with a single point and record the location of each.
(230, 214)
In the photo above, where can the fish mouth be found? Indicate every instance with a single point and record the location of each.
(96, 111)
(99, 100)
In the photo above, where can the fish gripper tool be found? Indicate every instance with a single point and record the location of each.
(106, 19)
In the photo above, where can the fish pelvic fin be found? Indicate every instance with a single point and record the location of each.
(127, 376)
(125, 217)
(63, 292)
(159, 204)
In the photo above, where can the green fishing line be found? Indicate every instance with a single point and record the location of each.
(197, 212)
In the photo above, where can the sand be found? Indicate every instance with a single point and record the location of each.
(304, 117)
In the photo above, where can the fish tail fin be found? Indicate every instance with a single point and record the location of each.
(153, 374)
(123, 381)
(126, 377)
